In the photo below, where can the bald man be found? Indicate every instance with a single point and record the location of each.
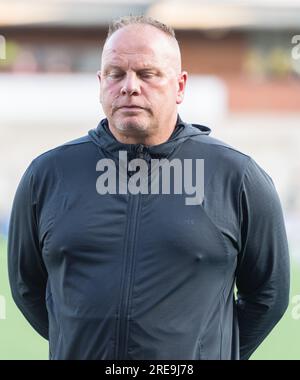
(128, 243)
(141, 83)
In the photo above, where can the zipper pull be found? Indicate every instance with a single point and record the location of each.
(140, 151)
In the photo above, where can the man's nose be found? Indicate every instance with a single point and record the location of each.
(131, 85)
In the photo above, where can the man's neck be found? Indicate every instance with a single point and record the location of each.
(157, 138)
(145, 140)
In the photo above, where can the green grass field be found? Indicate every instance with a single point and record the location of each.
(19, 341)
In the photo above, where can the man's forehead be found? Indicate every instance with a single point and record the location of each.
(140, 42)
(116, 58)
(133, 48)
(138, 34)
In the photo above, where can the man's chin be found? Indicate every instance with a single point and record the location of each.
(132, 126)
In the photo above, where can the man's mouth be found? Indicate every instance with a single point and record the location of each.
(132, 107)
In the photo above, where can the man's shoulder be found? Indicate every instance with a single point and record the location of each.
(229, 161)
(219, 151)
(61, 152)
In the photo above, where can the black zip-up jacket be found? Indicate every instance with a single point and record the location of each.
(145, 276)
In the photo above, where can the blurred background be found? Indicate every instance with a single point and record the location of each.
(243, 60)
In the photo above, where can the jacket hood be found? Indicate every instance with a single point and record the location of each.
(104, 139)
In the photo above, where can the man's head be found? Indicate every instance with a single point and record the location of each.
(141, 82)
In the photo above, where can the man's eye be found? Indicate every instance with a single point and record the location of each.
(115, 75)
(147, 75)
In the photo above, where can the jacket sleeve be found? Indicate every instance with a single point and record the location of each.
(263, 271)
(27, 273)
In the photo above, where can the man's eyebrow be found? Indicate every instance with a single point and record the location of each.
(112, 67)
(148, 68)
(119, 67)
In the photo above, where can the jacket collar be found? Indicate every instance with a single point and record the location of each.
(103, 137)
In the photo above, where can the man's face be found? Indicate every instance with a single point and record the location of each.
(141, 81)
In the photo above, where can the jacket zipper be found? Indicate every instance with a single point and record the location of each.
(128, 271)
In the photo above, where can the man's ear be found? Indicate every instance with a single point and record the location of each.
(99, 78)
(99, 75)
(182, 78)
